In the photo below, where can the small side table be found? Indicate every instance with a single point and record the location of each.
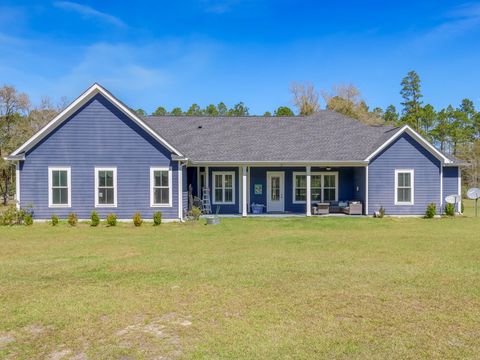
(323, 208)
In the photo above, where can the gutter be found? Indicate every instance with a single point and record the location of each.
(15, 157)
(281, 163)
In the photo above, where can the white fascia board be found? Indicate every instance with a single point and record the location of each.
(281, 163)
(75, 105)
(419, 138)
(19, 157)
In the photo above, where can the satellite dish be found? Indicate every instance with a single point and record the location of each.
(452, 199)
(473, 193)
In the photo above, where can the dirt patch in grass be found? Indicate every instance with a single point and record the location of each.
(157, 337)
(6, 339)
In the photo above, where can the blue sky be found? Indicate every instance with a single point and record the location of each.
(174, 53)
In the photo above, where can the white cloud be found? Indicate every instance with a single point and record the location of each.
(89, 12)
(458, 21)
(141, 74)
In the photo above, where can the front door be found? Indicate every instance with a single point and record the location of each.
(275, 191)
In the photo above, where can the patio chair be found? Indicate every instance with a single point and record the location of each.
(353, 208)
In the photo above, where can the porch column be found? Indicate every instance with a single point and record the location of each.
(207, 181)
(309, 191)
(244, 191)
(180, 191)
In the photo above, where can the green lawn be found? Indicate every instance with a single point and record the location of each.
(249, 288)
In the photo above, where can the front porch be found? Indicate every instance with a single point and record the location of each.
(279, 191)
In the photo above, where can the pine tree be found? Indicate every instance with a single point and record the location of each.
(412, 100)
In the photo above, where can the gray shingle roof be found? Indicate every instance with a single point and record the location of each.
(325, 136)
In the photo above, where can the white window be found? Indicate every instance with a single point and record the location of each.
(223, 187)
(106, 187)
(404, 187)
(59, 187)
(323, 187)
(160, 187)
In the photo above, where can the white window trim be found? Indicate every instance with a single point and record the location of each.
(170, 187)
(50, 184)
(412, 173)
(296, 173)
(223, 173)
(114, 169)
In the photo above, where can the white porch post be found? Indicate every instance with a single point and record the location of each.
(244, 191)
(180, 191)
(207, 185)
(366, 190)
(309, 191)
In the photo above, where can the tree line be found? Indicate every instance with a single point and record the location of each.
(239, 109)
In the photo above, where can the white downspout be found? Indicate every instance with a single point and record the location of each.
(17, 184)
(366, 190)
(441, 188)
(459, 190)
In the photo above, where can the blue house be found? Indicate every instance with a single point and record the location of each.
(98, 154)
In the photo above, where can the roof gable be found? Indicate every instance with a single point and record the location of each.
(417, 137)
(77, 104)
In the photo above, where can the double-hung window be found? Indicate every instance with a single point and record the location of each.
(329, 187)
(315, 187)
(404, 187)
(106, 187)
(223, 187)
(160, 187)
(323, 187)
(59, 187)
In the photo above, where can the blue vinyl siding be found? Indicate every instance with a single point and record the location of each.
(98, 134)
(450, 182)
(404, 153)
(360, 183)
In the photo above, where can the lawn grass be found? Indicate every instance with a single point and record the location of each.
(298, 288)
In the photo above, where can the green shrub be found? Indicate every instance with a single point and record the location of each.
(157, 218)
(94, 218)
(450, 209)
(54, 220)
(72, 219)
(462, 206)
(137, 219)
(28, 219)
(431, 211)
(112, 220)
(12, 216)
(195, 213)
